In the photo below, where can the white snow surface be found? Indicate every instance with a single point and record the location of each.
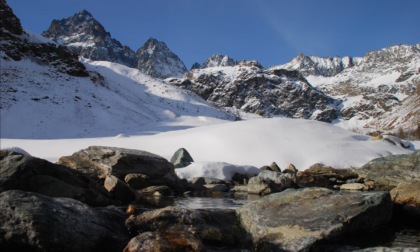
(220, 170)
(254, 142)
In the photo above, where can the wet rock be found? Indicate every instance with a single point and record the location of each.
(26, 173)
(211, 227)
(217, 187)
(206, 180)
(295, 220)
(181, 158)
(388, 172)
(269, 182)
(34, 222)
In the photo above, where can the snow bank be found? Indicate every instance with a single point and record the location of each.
(218, 170)
(255, 142)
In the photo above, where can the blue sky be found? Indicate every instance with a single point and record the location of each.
(270, 31)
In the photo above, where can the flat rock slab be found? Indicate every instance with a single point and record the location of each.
(34, 222)
(294, 220)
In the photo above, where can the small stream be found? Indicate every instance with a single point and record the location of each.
(399, 234)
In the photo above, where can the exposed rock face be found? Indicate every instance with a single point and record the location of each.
(374, 86)
(217, 60)
(33, 222)
(181, 158)
(323, 176)
(89, 39)
(391, 170)
(22, 172)
(252, 89)
(99, 162)
(17, 45)
(155, 59)
(294, 220)
(199, 228)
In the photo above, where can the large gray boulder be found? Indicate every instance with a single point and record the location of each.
(406, 197)
(198, 227)
(391, 170)
(33, 222)
(294, 220)
(99, 162)
(26, 173)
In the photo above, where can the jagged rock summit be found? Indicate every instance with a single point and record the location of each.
(155, 59)
(85, 35)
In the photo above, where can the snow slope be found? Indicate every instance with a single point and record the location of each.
(255, 142)
(39, 102)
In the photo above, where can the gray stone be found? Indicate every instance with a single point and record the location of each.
(212, 227)
(33, 222)
(269, 182)
(354, 187)
(26, 173)
(275, 167)
(138, 181)
(157, 191)
(406, 197)
(295, 220)
(206, 180)
(391, 170)
(181, 158)
(120, 190)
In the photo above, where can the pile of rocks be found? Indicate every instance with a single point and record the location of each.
(80, 203)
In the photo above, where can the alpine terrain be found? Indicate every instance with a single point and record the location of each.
(46, 92)
(84, 34)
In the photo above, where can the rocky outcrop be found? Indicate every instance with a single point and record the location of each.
(252, 89)
(33, 222)
(26, 173)
(155, 59)
(86, 36)
(295, 220)
(181, 158)
(319, 175)
(218, 60)
(388, 172)
(17, 45)
(187, 229)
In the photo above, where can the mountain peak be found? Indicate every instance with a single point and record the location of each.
(157, 60)
(219, 60)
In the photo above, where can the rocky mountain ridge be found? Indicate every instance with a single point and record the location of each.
(249, 87)
(84, 34)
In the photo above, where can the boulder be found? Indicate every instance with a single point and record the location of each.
(34, 222)
(406, 197)
(275, 167)
(389, 171)
(99, 162)
(269, 182)
(181, 158)
(138, 180)
(206, 180)
(157, 191)
(165, 242)
(319, 175)
(354, 187)
(26, 173)
(120, 190)
(211, 227)
(295, 220)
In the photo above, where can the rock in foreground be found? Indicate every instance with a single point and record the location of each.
(33, 222)
(295, 220)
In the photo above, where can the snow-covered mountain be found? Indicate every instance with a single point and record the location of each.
(47, 93)
(373, 88)
(249, 87)
(84, 34)
(155, 59)
(219, 60)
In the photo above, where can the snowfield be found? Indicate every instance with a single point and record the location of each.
(254, 142)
